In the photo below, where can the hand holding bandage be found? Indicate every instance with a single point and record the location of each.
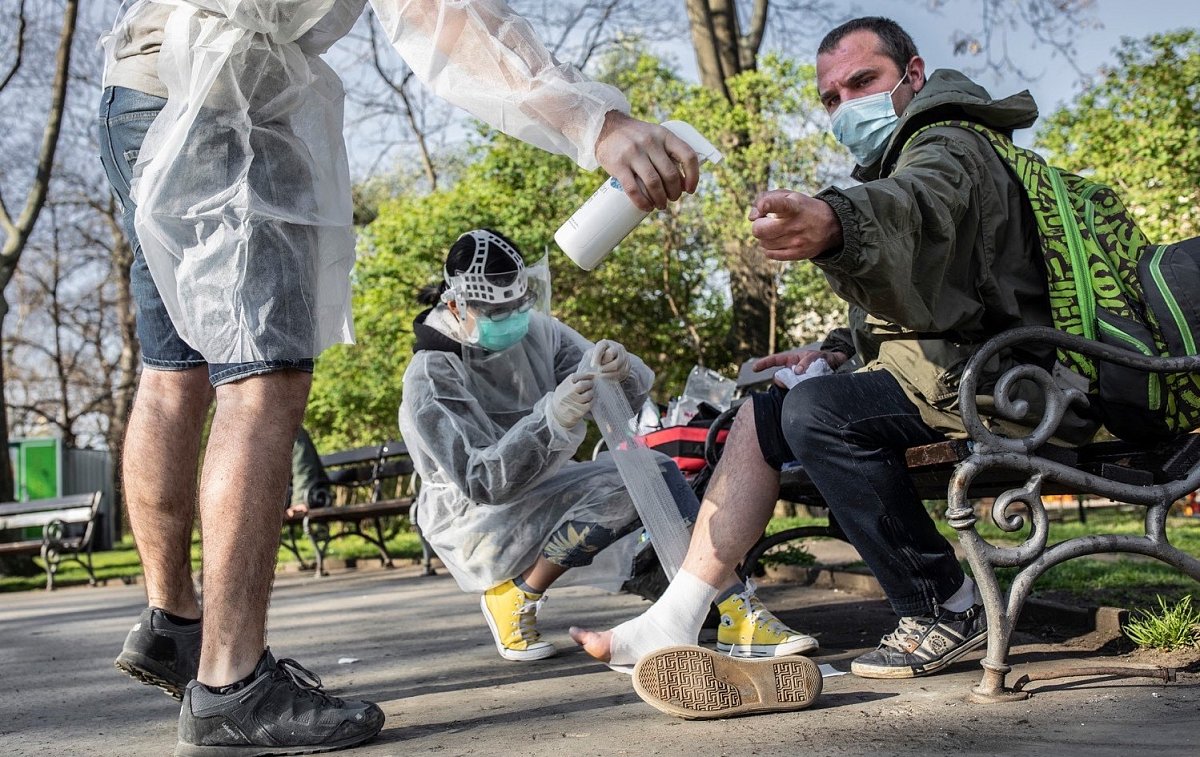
(572, 399)
(611, 360)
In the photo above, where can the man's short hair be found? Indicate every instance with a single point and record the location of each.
(894, 42)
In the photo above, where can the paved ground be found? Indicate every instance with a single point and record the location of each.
(424, 653)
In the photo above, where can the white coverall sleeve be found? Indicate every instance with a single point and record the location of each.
(485, 58)
(487, 463)
(572, 353)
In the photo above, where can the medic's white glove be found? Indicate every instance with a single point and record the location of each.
(572, 400)
(611, 359)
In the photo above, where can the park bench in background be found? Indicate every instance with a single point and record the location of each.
(368, 484)
(1017, 473)
(68, 525)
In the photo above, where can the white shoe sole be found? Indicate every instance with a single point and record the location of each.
(800, 645)
(538, 651)
(697, 683)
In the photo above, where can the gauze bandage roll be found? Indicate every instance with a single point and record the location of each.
(651, 497)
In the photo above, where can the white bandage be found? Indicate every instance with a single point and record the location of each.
(674, 619)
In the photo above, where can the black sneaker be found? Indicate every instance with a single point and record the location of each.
(283, 710)
(920, 646)
(161, 653)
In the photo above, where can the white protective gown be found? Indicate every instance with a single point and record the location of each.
(497, 481)
(242, 184)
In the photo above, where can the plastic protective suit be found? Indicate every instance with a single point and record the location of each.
(497, 482)
(242, 184)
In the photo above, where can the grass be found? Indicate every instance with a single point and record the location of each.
(1121, 581)
(122, 562)
(1169, 628)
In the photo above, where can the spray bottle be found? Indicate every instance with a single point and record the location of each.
(608, 216)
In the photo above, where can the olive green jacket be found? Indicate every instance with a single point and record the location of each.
(939, 238)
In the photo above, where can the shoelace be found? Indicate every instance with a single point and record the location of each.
(758, 613)
(909, 628)
(303, 679)
(527, 616)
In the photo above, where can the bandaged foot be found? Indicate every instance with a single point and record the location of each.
(674, 619)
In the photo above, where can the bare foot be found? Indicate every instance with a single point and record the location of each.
(596, 643)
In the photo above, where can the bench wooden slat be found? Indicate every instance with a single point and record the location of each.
(44, 517)
(34, 547)
(351, 512)
(38, 505)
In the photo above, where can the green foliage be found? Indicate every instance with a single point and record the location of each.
(1138, 130)
(1172, 627)
(664, 293)
(790, 554)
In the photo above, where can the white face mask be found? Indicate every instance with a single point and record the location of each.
(864, 125)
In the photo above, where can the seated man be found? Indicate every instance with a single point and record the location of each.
(493, 410)
(310, 484)
(939, 239)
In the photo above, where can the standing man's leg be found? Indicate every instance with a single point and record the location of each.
(849, 432)
(162, 441)
(246, 470)
(159, 466)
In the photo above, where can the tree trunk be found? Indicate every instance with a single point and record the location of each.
(127, 363)
(16, 233)
(7, 485)
(752, 290)
(722, 52)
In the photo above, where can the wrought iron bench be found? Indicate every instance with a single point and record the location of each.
(358, 477)
(1150, 477)
(1018, 472)
(68, 525)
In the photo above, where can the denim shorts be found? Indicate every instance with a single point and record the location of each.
(125, 116)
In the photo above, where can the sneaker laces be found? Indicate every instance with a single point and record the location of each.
(303, 680)
(909, 628)
(526, 616)
(758, 613)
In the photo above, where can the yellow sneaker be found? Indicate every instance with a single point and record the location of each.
(748, 629)
(512, 616)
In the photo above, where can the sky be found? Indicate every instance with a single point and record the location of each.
(1055, 83)
(1049, 78)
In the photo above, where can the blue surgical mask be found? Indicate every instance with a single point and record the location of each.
(864, 125)
(497, 335)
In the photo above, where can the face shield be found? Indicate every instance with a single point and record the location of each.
(509, 341)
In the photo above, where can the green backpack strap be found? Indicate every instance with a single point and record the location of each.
(1090, 245)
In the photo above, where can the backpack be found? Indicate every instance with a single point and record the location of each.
(1109, 284)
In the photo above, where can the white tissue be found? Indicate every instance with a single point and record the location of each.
(790, 378)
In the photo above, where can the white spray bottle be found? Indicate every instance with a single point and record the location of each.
(608, 216)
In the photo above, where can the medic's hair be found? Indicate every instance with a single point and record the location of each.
(894, 42)
(431, 294)
(497, 267)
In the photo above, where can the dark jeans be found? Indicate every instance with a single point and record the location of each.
(849, 432)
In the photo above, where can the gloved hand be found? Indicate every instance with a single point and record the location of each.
(611, 359)
(572, 399)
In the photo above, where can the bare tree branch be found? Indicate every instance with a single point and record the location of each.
(20, 47)
(17, 233)
(408, 111)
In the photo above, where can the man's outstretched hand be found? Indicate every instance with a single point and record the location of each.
(793, 226)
